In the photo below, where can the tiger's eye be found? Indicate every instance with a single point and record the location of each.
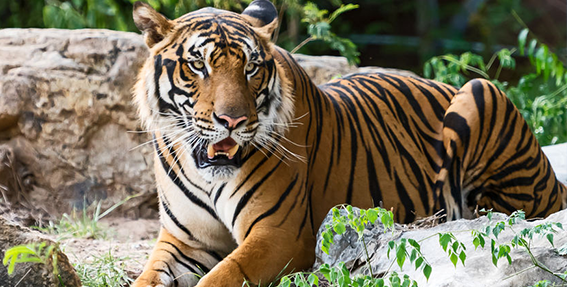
(198, 64)
(250, 67)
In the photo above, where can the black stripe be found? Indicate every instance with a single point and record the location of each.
(187, 266)
(274, 208)
(187, 258)
(246, 197)
(182, 186)
(174, 219)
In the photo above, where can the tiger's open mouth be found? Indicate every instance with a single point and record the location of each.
(225, 152)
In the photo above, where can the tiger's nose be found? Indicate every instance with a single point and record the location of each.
(229, 122)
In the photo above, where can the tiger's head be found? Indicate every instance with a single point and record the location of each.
(211, 86)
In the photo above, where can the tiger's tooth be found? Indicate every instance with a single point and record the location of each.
(232, 151)
(210, 151)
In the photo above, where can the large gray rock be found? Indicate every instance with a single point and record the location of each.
(478, 269)
(65, 111)
(557, 155)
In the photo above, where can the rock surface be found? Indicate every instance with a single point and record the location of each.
(32, 274)
(67, 118)
(65, 112)
(478, 269)
(557, 155)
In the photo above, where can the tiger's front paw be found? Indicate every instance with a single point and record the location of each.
(153, 278)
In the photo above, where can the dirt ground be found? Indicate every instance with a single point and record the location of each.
(129, 240)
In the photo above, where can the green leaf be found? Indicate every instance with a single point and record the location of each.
(427, 70)
(401, 255)
(418, 262)
(339, 228)
(476, 242)
(313, 280)
(372, 215)
(285, 282)
(341, 10)
(427, 271)
(522, 40)
(549, 237)
(531, 50)
(414, 244)
(444, 239)
(413, 255)
(455, 246)
(454, 259)
(463, 257)
(562, 250)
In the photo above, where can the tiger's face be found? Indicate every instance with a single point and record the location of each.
(212, 88)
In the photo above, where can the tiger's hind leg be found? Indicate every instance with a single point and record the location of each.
(491, 158)
(173, 263)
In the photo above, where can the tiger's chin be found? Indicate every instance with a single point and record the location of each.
(218, 173)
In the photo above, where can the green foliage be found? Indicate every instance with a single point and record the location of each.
(117, 15)
(109, 14)
(340, 276)
(411, 249)
(83, 225)
(319, 28)
(454, 248)
(541, 96)
(102, 271)
(406, 249)
(357, 222)
(33, 252)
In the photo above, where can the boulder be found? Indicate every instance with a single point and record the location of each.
(33, 274)
(66, 113)
(557, 155)
(478, 269)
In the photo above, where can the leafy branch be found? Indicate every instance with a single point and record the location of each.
(541, 96)
(319, 28)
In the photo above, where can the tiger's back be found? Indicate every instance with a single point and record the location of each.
(395, 139)
(385, 142)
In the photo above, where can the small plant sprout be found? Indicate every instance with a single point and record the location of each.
(32, 253)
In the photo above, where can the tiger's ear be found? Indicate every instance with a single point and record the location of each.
(263, 16)
(153, 25)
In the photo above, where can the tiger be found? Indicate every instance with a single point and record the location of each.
(250, 154)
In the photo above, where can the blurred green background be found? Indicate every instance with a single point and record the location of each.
(403, 34)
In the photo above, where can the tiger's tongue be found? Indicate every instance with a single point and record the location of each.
(227, 147)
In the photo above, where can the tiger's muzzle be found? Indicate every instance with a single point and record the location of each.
(223, 153)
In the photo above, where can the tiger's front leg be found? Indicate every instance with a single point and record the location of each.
(274, 237)
(266, 253)
(174, 263)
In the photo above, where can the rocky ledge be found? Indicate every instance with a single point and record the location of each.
(477, 270)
